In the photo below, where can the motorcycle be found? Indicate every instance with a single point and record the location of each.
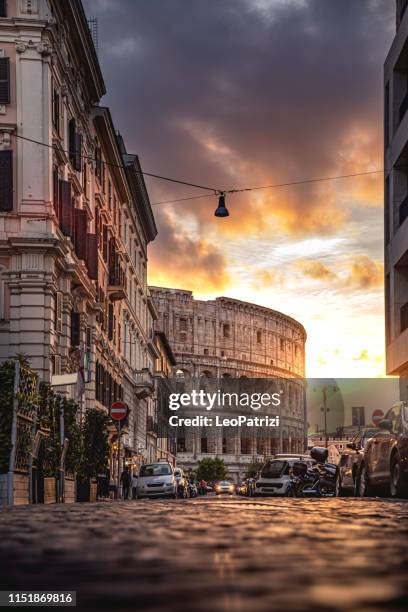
(192, 489)
(317, 481)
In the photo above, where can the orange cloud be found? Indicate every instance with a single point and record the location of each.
(365, 273)
(315, 269)
(267, 278)
(182, 261)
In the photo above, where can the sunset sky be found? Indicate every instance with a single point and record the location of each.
(241, 93)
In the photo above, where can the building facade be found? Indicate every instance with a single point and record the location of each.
(396, 198)
(75, 218)
(227, 338)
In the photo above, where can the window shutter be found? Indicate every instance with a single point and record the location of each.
(6, 181)
(105, 243)
(92, 256)
(58, 311)
(67, 217)
(55, 192)
(57, 365)
(80, 238)
(110, 322)
(75, 328)
(78, 153)
(112, 261)
(4, 80)
(72, 141)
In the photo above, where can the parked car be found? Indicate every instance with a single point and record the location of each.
(182, 483)
(224, 486)
(274, 478)
(385, 460)
(156, 480)
(350, 459)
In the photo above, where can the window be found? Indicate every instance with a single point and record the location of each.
(6, 180)
(183, 324)
(98, 163)
(357, 416)
(259, 337)
(75, 146)
(205, 351)
(56, 109)
(58, 311)
(109, 195)
(181, 445)
(75, 328)
(4, 80)
(3, 12)
(282, 344)
(226, 330)
(204, 445)
(387, 115)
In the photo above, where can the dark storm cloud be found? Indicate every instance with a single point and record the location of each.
(241, 92)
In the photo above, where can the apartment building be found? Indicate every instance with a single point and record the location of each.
(396, 197)
(75, 218)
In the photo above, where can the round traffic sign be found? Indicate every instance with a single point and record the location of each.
(378, 416)
(118, 410)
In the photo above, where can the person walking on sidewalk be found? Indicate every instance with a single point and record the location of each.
(125, 482)
(134, 485)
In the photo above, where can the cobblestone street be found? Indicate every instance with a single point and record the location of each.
(213, 554)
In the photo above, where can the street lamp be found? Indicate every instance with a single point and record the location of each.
(222, 210)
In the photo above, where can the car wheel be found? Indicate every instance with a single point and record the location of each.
(397, 488)
(363, 487)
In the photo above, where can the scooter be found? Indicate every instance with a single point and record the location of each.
(318, 481)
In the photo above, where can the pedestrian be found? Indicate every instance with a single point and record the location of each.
(134, 486)
(125, 482)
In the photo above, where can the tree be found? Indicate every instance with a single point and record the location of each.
(253, 469)
(211, 469)
(95, 450)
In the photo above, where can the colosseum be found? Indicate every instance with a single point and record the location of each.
(228, 338)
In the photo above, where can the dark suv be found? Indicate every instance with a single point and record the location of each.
(385, 459)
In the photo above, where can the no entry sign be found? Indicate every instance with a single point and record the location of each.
(378, 416)
(118, 411)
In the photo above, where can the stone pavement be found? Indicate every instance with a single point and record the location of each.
(213, 554)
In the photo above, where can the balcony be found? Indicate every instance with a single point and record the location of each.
(144, 384)
(116, 284)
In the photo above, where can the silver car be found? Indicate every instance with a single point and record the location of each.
(156, 480)
(274, 478)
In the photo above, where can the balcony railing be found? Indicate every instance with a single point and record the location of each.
(144, 384)
(117, 284)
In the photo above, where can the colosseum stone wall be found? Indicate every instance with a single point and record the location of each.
(228, 338)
